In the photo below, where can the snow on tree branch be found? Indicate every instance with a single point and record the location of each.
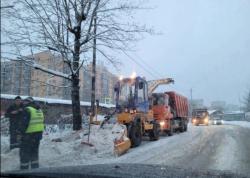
(53, 72)
(66, 28)
(30, 62)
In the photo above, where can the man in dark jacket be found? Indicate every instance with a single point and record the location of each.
(32, 130)
(14, 113)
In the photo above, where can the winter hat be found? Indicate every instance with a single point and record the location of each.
(30, 99)
(18, 97)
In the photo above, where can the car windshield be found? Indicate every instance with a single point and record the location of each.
(158, 99)
(126, 93)
(162, 84)
(200, 113)
(217, 118)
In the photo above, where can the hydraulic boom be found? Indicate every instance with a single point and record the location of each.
(153, 84)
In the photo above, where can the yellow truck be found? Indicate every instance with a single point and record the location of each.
(200, 116)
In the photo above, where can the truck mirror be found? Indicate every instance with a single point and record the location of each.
(141, 85)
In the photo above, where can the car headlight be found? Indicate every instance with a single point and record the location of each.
(132, 111)
(162, 123)
(194, 120)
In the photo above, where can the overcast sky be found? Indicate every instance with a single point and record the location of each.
(205, 46)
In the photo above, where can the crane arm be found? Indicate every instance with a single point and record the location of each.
(153, 84)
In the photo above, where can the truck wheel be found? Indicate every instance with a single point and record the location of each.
(154, 134)
(134, 131)
(171, 130)
(182, 127)
(185, 127)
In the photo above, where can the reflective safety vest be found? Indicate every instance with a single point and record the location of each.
(36, 123)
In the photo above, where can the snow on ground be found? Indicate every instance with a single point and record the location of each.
(194, 146)
(71, 152)
(68, 151)
(225, 155)
(238, 123)
(156, 150)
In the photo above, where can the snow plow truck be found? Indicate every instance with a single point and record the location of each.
(134, 109)
(170, 111)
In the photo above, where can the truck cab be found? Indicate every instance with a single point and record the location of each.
(131, 95)
(170, 111)
(200, 116)
(134, 111)
(162, 110)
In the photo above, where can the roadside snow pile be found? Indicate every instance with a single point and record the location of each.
(4, 144)
(4, 125)
(100, 118)
(238, 123)
(68, 147)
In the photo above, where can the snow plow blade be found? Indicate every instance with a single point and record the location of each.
(96, 122)
(122, 147)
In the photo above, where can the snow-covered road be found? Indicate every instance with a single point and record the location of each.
(218, 147)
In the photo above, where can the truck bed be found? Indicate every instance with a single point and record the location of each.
(179, 103)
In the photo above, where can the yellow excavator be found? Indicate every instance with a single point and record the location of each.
(133, 109)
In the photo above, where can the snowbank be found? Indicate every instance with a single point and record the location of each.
(62, 148)
(238, 123)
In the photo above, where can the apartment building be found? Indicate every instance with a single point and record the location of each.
(105, 81)
(15, 78)
(20, 79)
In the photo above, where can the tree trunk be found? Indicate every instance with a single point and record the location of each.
(76, 108)
(75, 96)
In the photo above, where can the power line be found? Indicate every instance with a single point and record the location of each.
(5, 7)
(140, 65)
(150, 67)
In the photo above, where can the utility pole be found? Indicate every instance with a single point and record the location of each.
(191, 94)
(20, 77)
(191, 102)
(93, 72)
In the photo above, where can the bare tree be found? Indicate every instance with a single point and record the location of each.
(66, 27)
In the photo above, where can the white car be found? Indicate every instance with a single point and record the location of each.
(217, 121)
